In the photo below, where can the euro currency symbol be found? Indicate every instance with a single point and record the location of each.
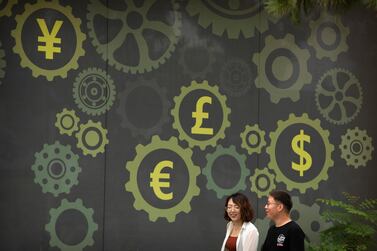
(49, 39)
(298, 147)
(199, 115)
(156, 182)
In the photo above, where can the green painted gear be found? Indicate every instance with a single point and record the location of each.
(7, 9)
(18, 48)
(253, 139)
(94, 91)
(54, 216)
(122, 108)
(324, 28)
(330, 88)
(232, 19)
(356, 147)
(92, 138)
(67, 122)
(132, 186)
(309, 219)
(262, 182)
(262, 225)
(140, 11)
(3, 63)
(274, 72)
(207, 171)
(329, 148)
(45, 168)
(177, 123)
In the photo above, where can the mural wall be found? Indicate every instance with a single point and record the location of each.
(125, 124)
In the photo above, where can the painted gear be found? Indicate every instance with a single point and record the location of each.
(177, 123)
(55, 213)
(330, 88)
(51, 179)
(325, 27)
(18, 48)
(67, 122)
(94, 91)
(207, 171)
(233, 19)
(236, 77)
(356, 147)
(253, 139)
(3, 63)
(276, 86)
(92, 138)
(329, 148)
(122, 108)
(132, 186)
(7, 9)
(262, 182)
(145, 63)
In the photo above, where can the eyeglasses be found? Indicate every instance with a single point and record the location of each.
(271, 203)
(235, 208)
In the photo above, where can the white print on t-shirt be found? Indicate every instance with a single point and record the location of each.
(280, 240)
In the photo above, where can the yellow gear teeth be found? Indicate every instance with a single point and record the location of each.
(67, 122)
(92, 138)
(7, 9)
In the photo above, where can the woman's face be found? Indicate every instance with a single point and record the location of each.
(233, 210)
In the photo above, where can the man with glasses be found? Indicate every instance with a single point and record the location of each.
(285, 234)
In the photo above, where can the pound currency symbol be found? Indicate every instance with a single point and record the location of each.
(199, 115)
(298, 147)
(156, 176)
(49, 38)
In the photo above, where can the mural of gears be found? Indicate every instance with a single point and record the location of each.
(92, 138)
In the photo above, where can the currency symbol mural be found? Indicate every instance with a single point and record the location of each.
(298, 147)
(49, 38)
(157, 176)
(199, 115)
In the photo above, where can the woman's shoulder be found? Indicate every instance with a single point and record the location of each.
(250, 226)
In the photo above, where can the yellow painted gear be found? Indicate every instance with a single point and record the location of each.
(18, 48)
(262, 182)
(7, 9)
(92, 138)
(67, 122)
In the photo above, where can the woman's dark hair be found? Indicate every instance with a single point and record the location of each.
(283, 197)
(247, 212)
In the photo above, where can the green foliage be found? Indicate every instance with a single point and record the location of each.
(355, 224)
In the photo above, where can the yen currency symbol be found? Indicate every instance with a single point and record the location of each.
(49, 39)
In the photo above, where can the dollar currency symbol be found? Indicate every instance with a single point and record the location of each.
(298, 147)
(49, 39)
(156, 182)
(199, 115)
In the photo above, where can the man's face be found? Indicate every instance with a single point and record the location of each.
(272, 208)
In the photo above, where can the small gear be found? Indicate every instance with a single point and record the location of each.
(50, 74)
(253, 139)
(7, 8)
(236, 77)
(271, 150)
(143, 35)
(55, 213)
(94, 91)
(132, 186)
(356, 147)
(232, 18)
(124, 109)
(207, 171)
(67, 122)
(328, 36)
(56, 168)
(225, 114)
(262, 182)
(92, 138)
(3, 63)
(282, 68)
(341, 105)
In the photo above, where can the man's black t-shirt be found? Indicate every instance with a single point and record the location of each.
(288, 237)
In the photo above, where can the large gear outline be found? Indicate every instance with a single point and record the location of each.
(234, 22)
(131, 186)
(329, 148)
(102, 81)
(261, 141)
(364, 147)
(18, 48)
(122, 110)
(303, 76)
(339, 96)
(54, 216)
(3, 63)
(331, 22)
(262, 175)
(67, 122)
(56, 154)
(7, 10)
(96, 128)
(202, 144)
(207, 170)
(107, 50)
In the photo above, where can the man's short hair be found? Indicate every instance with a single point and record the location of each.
(283, 197)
